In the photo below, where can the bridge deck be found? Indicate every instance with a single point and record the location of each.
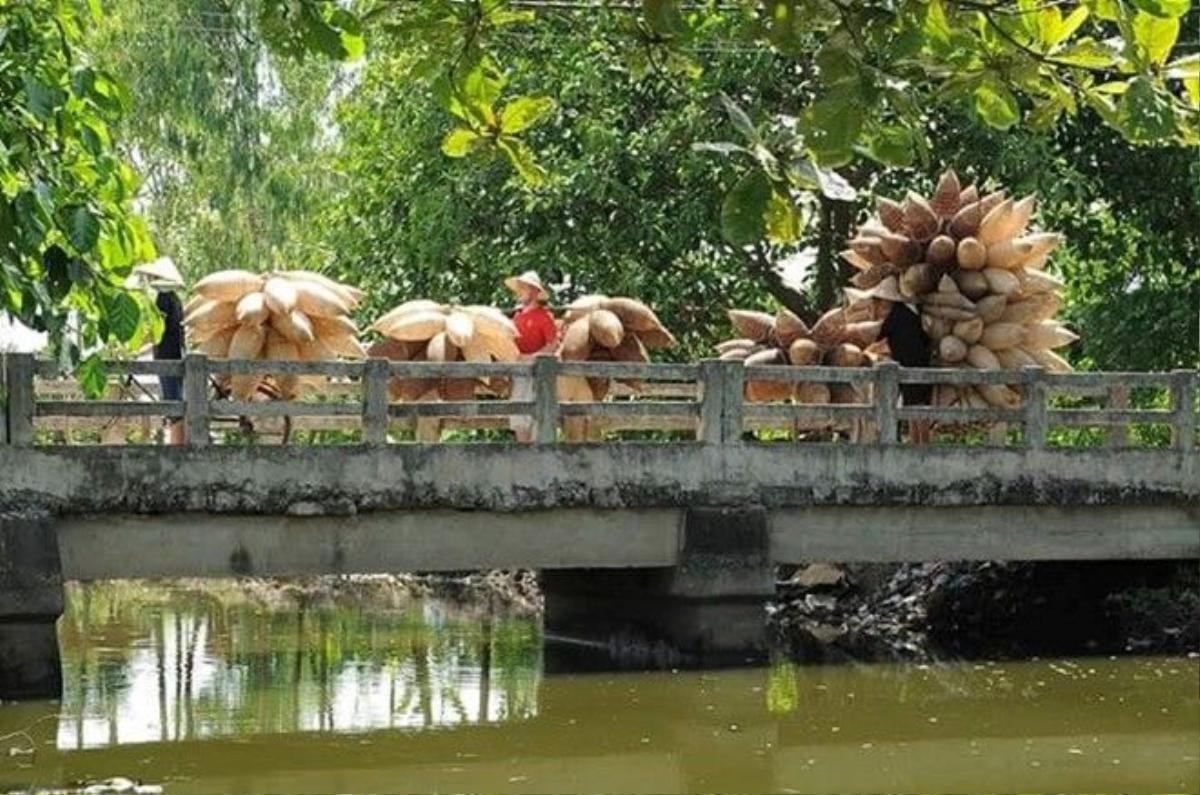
(604, 505)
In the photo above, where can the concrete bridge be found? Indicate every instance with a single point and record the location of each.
(678, 538)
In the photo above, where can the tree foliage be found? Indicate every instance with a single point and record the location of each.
(227, 128)
(68, 235)
(680, 151)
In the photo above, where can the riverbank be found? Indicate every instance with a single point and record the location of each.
(863, 612)
(931, 611)
(514, 592)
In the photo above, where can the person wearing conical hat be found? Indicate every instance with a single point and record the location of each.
(163, 277)
(537, 333)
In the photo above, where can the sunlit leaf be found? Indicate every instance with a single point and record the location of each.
(1155, 36)
(996, 105)
(459, 142)
(92, 376)
(782, 220)
(523, 159)
(1071, 24)
(525, 112)
(1089, 54)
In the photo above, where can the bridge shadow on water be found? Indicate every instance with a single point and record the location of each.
(207, 689)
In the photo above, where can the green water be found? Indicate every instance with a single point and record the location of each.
(200, 694)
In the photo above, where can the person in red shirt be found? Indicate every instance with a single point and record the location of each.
(536, 330)
(536, 333)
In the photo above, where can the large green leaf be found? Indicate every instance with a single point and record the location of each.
(459, 142)
(92, 376)
(1144, 113)
(996, 105)
(1155, 36)
(937, 25)
(85, 229)
(124, 316)
(525, 112)
(834, 124)
(743, 212)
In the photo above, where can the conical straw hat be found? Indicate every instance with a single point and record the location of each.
(527, 279)
(161, 273)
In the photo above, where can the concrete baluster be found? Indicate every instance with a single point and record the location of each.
(1183, 416)
(375, 401)
(20, 400)
(4, 399)
(712, 401)
(545, 399)
(733, 393)
(195, 399)
(1118, 398)
(887, 394)
(1034, 418)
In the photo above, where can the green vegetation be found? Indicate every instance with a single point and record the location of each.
(679, 152)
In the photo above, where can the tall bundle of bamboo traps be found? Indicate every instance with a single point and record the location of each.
(428, 331)
(976, 272)
(280, 316)
(839, 338)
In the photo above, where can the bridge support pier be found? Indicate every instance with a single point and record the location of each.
(709, 610)
(31, 600)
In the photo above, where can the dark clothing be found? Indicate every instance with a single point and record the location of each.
(171, 344)
(911, 347)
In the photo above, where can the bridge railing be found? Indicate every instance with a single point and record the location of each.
(706, 399)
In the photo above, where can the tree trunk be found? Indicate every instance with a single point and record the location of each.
(836, 221)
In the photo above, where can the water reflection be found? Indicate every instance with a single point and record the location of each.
(207, 693)
(155, 663)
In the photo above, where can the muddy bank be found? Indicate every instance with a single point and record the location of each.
(993, 610)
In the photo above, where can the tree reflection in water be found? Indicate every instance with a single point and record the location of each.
(163, 662)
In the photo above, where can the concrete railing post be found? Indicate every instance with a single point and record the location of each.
(1183, 416)
(4, 399)
(1118, 398)
(195, 399)
(733, 391)
(19, 397)
(375, 401)
(887, 394)
(712, 401)
(545, 399)
(1034, 419)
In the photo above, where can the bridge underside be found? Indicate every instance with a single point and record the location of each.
(206, 545)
